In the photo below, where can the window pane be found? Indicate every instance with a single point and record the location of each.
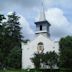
(40, 27)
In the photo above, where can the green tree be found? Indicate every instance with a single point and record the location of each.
(13, 26)
(36, 60)
(44, 60)
(1, 39)
(1, 17)
(51, 59)
(14, 40)
(10, 41)
(66, 52)
(14, 58)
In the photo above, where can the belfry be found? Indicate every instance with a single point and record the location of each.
(42, 25)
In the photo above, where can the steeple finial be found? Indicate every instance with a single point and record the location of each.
(42, 13)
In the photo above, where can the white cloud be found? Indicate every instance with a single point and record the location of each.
(27, 32)
(60, 26)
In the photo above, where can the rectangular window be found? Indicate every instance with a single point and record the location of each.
(40, 27)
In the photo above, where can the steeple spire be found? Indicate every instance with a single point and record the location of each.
(42, 13)
(42, 25)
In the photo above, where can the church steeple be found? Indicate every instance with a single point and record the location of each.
(42, 26)
(42, 13)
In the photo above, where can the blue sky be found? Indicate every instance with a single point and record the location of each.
(58, 13)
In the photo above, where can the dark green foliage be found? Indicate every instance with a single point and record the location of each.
(1, 39)
(51, 59)
(45, 59)
(36, 60)
(14, 58)
(66, 52)
(1, 17)
(14, 26)
(10, 42)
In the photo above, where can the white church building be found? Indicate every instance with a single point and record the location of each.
(41, 43)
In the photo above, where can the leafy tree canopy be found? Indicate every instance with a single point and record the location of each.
(10, 41)
(66, 52)
(45, 60)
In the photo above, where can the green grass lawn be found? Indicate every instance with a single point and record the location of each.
(30, 71)
(13, 71)
(19, 71)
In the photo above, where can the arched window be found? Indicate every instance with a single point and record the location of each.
(40, 47)
(40, 43)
